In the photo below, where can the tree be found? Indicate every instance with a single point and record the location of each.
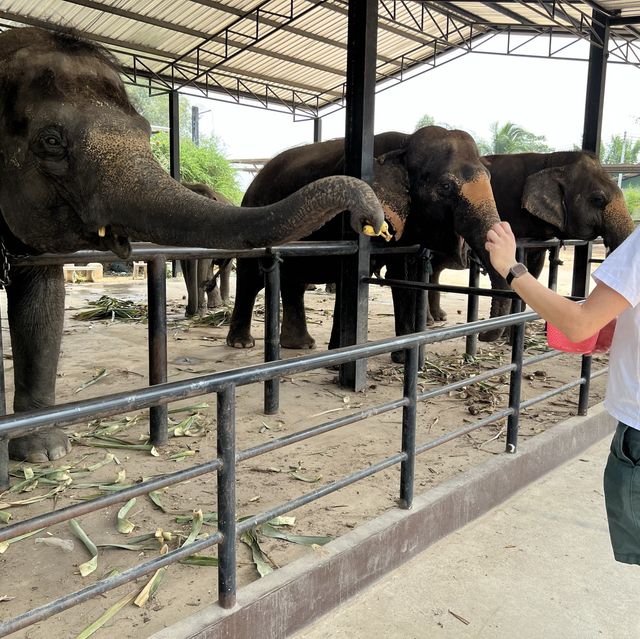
(511, 138)
(620, 150)
(429, 120)
(155, 109)
(204, 163)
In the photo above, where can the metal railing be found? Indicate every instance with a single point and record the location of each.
(224, 385)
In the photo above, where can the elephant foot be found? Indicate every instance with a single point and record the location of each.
(240, 340)
(397, 357)
(430, 320)
(41, 447)
(438, 315)
(491, 336)
(215, 299)
(297, 341)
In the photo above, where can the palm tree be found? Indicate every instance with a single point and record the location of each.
(511, 138)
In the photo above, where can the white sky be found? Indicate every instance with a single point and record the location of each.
(542, 95)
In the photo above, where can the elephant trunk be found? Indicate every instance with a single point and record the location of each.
(479, 198)
(135, 198)
(617, 224)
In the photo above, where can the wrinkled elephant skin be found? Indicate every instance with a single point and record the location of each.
(77, 172)
(434, 191)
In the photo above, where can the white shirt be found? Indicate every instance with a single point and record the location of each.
(621, 272)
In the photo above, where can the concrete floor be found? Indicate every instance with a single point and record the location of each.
(538, 566)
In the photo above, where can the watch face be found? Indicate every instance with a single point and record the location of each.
(518, 269)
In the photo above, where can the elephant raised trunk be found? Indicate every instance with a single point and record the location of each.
(478, 194)
(616, 223)
(133, 197)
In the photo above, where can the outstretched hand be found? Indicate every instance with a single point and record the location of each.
(501, 246)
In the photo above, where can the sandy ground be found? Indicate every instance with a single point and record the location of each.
(34, 572)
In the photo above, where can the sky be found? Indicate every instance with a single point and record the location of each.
(542, 95)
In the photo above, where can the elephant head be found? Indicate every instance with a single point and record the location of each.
(578, 200)
(439, 190)
(76, 169)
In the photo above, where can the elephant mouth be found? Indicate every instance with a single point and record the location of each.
(109, 239)
(463, 252)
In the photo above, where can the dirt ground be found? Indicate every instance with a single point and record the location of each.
(35, 572)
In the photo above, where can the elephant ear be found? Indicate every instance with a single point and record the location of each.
(391, 186)
(543, 196)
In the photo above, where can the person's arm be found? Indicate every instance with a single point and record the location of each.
(576, 321)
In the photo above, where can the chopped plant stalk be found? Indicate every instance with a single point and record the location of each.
(154, 496)
(182, 455)
(101, 373)
(112, 309)
(99, 444)
(305, 540)
(200, 560)
(4, 545)
(192, 426)
(121, 476)
(100, 621)
(124, 525)
(219, 317)
(184, 409)
(33, 500)
(28, 472)
(263, 564)
(142, 542)
(300, 477)
(108, 458)
(88, 566)
(5, 516)
(283, 520)
(207, 518)
(153, 583)
(196, 527)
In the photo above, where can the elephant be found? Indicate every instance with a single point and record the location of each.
(564, 194)
(435, 192)
(203, 291)
(77, 172)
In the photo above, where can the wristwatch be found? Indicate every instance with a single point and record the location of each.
(517, 270)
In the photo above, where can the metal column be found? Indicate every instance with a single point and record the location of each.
(317, 129)
(352, 293)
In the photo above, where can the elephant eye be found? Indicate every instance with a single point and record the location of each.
(598, 199)
(52, 141)
(446, 187)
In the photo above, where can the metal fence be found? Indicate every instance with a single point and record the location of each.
(224, 385)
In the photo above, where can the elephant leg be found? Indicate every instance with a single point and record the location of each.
(249, 283)
(404, 302)
(436, 314)
(294, 333)
(190, 273)
(35, 304)
(223, 279)
(207, 293)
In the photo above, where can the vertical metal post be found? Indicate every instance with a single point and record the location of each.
(271, 270)
(352, 293)
(157, 328)
(596, 77)
(407, 467)
(515, 378)
(3, 390)
(585, 373)
(195, 125)
(472, 307)
(317, 129)
(4, 442)
(554, 262)
(422, 275)
(581, 270)
(174, 148)
(227, 497)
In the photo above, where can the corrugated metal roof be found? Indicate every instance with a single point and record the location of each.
(291, 54)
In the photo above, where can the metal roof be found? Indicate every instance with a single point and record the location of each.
(291, 54)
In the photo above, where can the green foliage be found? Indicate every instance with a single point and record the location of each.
(511, 138)
(155, 109)
(632, 198)
(425, 120)
(619, 150)
(204, 163)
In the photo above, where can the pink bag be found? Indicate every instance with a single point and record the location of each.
(598, 343)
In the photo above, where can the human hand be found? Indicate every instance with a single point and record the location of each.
(501, 246)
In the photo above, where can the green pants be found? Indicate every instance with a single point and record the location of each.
(622, 494)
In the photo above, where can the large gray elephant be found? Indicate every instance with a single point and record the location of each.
(567, 195)
(206, 289)
(434, 190)
(77, 172)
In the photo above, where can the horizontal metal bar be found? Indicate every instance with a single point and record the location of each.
(540, 358)
(602, 371)
(446, 288)
(76, 510)
(320, 429)
(481, 377)
(73, 412)
(144, 251)
(464, 430)
(552, 393)
(104, 585)
(256, 520)
(527, 243)
(392, 250)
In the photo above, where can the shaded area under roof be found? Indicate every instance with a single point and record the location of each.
(291, 54)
